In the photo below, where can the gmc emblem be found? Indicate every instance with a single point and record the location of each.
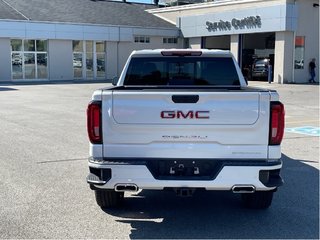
(184, 115)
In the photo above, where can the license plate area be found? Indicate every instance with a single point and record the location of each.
(184, 169)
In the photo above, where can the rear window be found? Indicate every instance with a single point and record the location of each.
(182, 71)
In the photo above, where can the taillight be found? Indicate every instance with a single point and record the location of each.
(94, 122)
(276, 123)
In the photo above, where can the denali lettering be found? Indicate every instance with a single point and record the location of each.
(185, 115)
(185, 137)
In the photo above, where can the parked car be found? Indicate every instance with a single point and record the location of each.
(260, 68)
(100, 65)
(17, 60)
(77, 63)
(298, 64)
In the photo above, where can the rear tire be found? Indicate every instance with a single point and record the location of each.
(108, 198)
(257, 200)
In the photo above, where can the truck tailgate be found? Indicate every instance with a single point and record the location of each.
(183, 124)
(218, 108)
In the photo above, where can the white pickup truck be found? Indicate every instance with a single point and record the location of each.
(184, 120)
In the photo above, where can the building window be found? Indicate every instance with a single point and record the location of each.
(77, 59)
(299, 52)
(101, 59)
(142, 39)
(170, 40)
(29, 59)
(89, 59)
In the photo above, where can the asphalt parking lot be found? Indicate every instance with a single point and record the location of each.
(43, 166)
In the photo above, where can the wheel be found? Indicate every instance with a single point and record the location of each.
(108, 198)
(257, 200)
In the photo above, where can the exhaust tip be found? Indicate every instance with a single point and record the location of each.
(126, 188)
(243, 189)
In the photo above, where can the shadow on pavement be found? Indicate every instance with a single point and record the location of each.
(294, 213)
(7, 89)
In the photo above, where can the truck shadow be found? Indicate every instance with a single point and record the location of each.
(294, 213)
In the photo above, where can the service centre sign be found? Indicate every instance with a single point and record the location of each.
(259, 19)
(247, 22)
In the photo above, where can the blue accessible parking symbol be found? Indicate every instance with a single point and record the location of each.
(308, 130)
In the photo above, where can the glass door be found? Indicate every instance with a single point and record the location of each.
(101, 60)
(77, 59)
(89, 60)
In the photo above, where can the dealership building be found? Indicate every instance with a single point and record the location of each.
(42, 40)
(91, 39)
(284, 31)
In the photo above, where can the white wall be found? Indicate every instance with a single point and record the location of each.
(5, 59)
(308, 26)
(234, 46)
(60, 60)
(283, 63)
(112, 60)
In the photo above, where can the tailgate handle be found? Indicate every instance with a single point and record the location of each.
(185, 98)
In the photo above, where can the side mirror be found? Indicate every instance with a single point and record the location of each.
(114, 81)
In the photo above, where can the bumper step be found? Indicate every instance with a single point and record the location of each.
(93, 179)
